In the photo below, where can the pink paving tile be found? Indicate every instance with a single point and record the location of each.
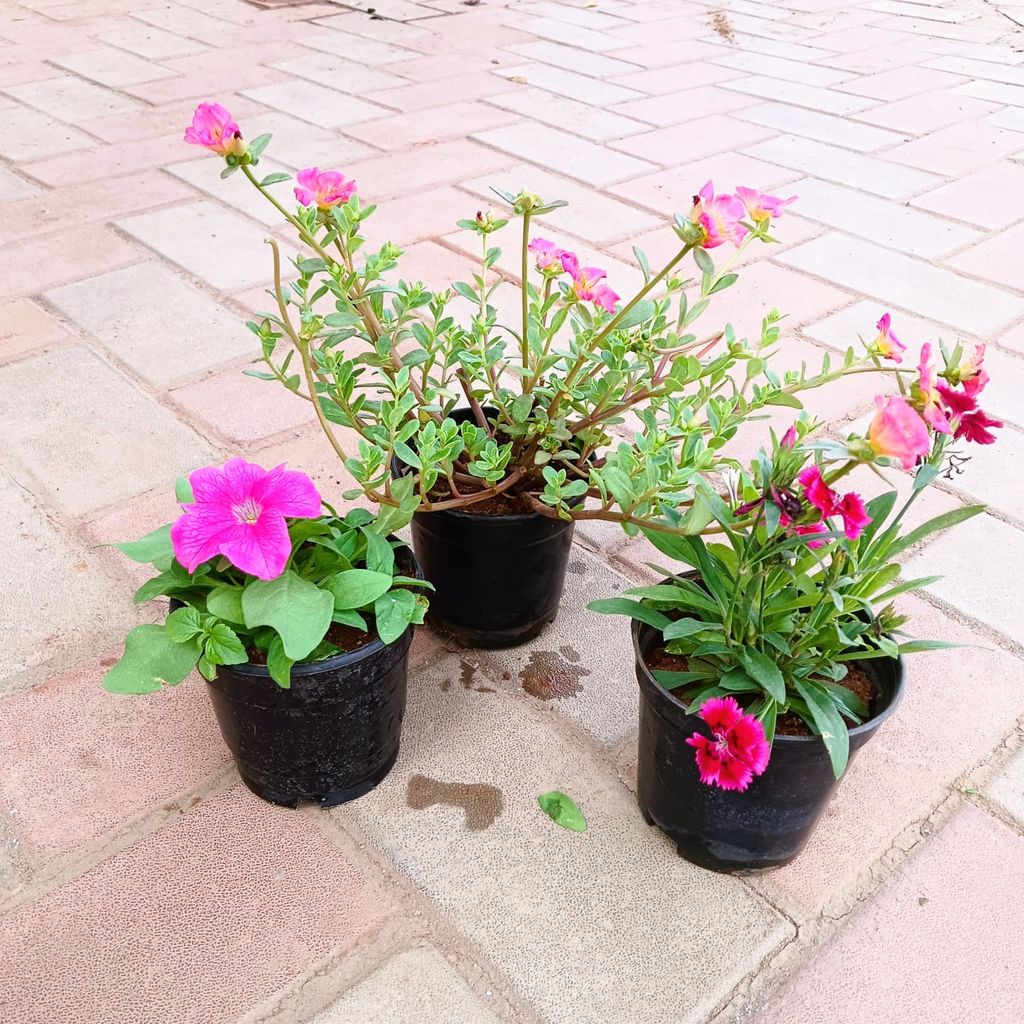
(957, 150)
(688, 105)
(673, 190)
(672, 53)
(899, 83)
(243, 409)
(992, 198)
(451, 121)
(434, 265)
(676, 79)
(702, 137)
(427, 214)
(76, 761)
(84, 252)
(941, 729)
(195, 923)
(937, 945)
(1014, 339)
(442, 91)
(928, 112)
(26, 327)
(210, 74)
(164, 120)
(106, 199)
(997, 259)
(114, 160)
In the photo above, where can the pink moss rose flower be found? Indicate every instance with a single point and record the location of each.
(887, 345)
(762, 208)
(718, 217)
(548, 256)
(239, 512)
(587, 283)
(926, 395)
(214, 127)
(323, 188)
(738, 749)
(897, 432)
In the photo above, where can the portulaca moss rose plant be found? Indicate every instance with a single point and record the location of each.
(259, 572)
(587, 406)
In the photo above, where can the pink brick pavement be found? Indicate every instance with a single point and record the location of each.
(137, 885)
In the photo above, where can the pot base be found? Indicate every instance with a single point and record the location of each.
(490, 639)
(288, 792)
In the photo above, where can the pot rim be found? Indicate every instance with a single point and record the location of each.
(639, 630)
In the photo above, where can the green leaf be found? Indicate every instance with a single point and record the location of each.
(183, 491)
(351, 618)
(223, 646)
(279, 665)
(562, 810)
(829, 722)
(634, 609)
(273, 179)
(299, 611)
(685, 627)
(917, 646)
(152, 548)
(184, 625)
(670, 680)
(380, 555)
(357, 588)
(763, 670)
(725, 281)
(151, 660)
(256, 147)
(394, 612)
(703, 260)
(943, 522)
(225, 601)
(640, 313)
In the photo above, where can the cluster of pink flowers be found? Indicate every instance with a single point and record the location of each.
(849, 507)
(587, 282)
(214, 128)
(239, 511)
(737, 750)
(720, 217)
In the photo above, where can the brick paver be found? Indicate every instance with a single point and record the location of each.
(137, 884)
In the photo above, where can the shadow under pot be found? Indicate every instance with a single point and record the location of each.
(331, 737)
(497, 579)
(769, 823)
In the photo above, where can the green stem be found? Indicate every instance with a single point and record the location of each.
(524, 343)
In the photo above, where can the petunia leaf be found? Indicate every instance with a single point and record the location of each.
(562, 810)
(154, 547)
(151, 660)
(394, 612)
(357, 588)
(299, 610)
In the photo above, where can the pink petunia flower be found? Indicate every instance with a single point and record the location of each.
(926, 395)
(761, 207)
(738, 749)
(549, 256)
(587, 283)
(239, 512)
(898, 432)
(214, 127)
(323, 188)
(718, 217)
(887, 345)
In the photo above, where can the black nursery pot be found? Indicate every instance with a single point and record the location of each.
(497, 579)
(332, 736)
(769, 823)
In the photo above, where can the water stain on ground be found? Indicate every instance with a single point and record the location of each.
(481, 802)
(550, 676)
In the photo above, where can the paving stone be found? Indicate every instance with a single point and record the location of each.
(1014, 339)
(112, 67)
(25, 327)
(414, 986)
(811, 96)
(703, 137)
(571, 35)
(160, 326)
(997, 92)
(594, 123)
(932, 916)
(974, 307)
(237, 191)
(889, 223)
(995, 259)
(477, 787)
(150, 42)
(28, 135)
(985, 479)
(424, 95)
(65, 595)
(812, 124)
(298, 144)
(237, 892)
(217, 246)
(568, 83)
(111, 161)
(858, 170)
(78, 761)
(582, 62)
(938, 732)
(78, 451)
(13, 188)
(1007, 788)
(844, 328)
(339, 73)
(72, 99)
(308, 101)
(674, 108)
(411, 218)
(957, 150)
(789, 70)
(341, 43)
(927, 112)
(992, 198)
(450, 121)
(686, 76)
(589, 214)
(564, 153)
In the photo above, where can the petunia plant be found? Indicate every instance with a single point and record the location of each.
(762, 629)
(587, 406)
(257, 571)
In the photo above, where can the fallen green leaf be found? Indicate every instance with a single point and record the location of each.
(562, 810)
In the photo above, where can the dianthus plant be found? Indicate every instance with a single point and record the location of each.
(587, 406)
(768, 620)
